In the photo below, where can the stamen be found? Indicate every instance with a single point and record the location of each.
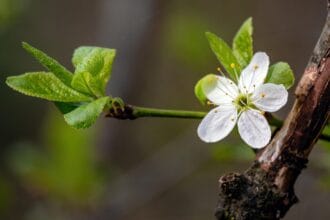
(239, 113)
(232, 65)
(242, 101)
(225, 91)
(262, 95)
(224, 84)
(255, 67)
(228, 89)
(223, 75)
(221, 72)
(257, 110)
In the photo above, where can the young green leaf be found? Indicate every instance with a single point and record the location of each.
(201, 86)
(242, 43)
(45, 85)
(80, 53)
(97, 61)
(86, 83)
(86, 115)
(66, 107)
(280, 73)
(224, 54)
(51, 64)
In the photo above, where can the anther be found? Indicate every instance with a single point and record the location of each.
(232, 65)
(263, 95)
(209, 103)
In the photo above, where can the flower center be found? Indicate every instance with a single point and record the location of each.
(243, 102)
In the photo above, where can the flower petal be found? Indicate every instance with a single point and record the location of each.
(254, 129)
(217, 124)
(255, 73)
(221, 91)
(270, 97)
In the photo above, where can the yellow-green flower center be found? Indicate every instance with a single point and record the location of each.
(243, 102)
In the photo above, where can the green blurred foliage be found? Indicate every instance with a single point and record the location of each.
(7, 195)
(229, 152)
(232, 149)
(325, 160)
(185, 36)
(9, 10)
(66, 169)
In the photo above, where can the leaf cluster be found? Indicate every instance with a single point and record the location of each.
(79, 95)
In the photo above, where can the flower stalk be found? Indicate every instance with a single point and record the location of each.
(166, 113)
(132, 112)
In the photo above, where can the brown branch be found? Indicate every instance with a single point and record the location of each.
(266, 189)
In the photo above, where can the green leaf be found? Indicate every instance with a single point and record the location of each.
(224, 54)
(97, 61)
(45, 85)
(52, 65)
(80, 53)
(66, 107)
(86, 83)
(242, 43)
(207, 82)
(280, 73)
(86, 115)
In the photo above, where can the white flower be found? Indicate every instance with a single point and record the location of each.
(243, 104)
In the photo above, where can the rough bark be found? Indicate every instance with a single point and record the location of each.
(266, 189)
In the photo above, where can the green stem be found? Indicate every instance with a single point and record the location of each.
(169, 113)
(166, 113)
(133, 112)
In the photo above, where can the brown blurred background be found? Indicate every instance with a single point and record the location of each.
(148, 168)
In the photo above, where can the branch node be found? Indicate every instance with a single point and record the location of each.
(122, 113)
(250, 196)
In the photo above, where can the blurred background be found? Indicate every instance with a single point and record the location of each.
(147, 168)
